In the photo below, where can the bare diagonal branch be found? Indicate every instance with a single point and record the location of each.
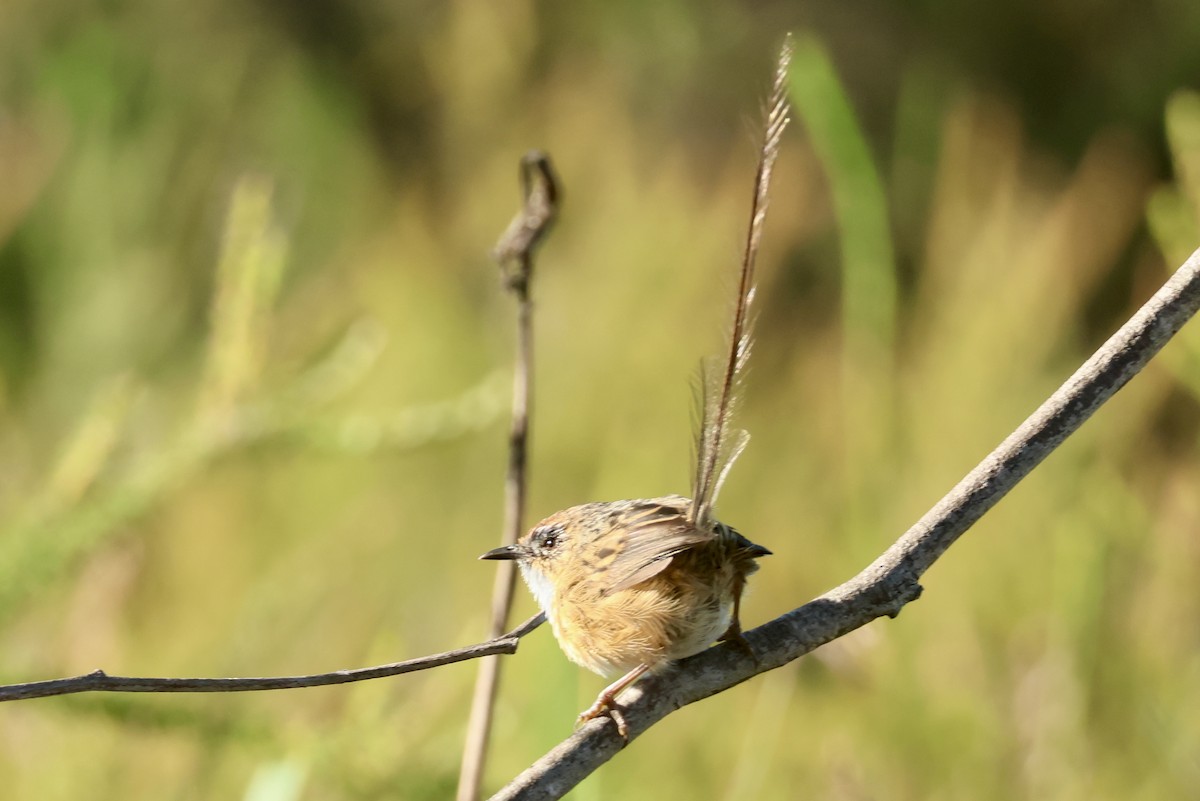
(891, 581)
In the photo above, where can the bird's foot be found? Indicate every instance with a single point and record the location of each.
(605, 705)
(735, 638)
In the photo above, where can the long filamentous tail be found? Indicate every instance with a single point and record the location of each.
(717, 447)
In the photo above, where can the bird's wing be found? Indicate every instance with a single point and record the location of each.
(641, 544)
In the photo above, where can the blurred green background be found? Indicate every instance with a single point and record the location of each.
(253, 381)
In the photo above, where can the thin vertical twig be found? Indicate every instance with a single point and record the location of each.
(514, 252)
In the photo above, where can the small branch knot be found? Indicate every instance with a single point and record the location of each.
(902, 596)
(542, 197)
(889, 596)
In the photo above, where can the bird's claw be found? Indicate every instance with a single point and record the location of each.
(605, 706)
(735, 638)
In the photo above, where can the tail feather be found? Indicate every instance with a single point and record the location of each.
(717, 447)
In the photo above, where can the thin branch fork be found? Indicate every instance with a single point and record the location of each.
(891, 581)
(99, 681)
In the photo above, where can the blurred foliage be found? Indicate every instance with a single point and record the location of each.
(251, 413)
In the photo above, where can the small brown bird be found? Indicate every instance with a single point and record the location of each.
(630, 586)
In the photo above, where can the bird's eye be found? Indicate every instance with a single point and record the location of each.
(548, 537)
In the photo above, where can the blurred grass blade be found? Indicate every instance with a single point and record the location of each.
(868, 273)
(1173, 214)
(1174, 211)
(277, 781)
(868, 263)
(248, 277)
(348, 361)
(413, 426)
(87, 452)
(1183, 136)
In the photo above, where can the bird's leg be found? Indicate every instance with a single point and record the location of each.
(604, 702)
(733, 635)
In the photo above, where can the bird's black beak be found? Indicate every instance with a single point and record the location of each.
(503, 552)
